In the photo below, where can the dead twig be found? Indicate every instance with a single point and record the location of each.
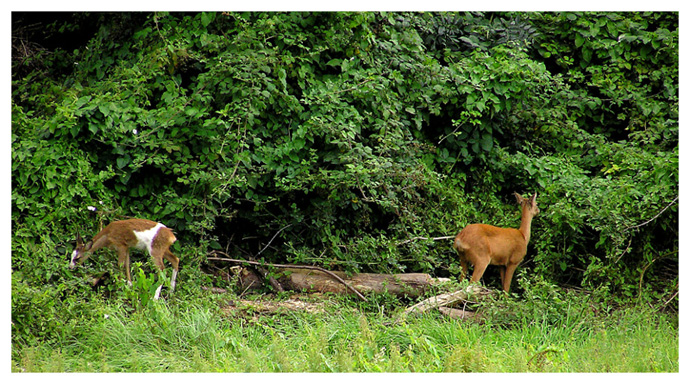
(353, 87)
(270, 241)
(333, 275)
(425, 238)
(652, 219)
(669, 300)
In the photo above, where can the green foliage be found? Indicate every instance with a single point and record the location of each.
(336, 137)
(623, 69)
(143, 289)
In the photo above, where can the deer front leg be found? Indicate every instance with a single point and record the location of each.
(510, 269)
(123, 262)
(157, 256)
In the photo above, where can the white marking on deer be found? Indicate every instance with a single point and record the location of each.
(145, 238)
(72, 262)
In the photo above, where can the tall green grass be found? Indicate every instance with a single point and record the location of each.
(195, 337)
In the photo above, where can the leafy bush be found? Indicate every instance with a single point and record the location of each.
(341, 135)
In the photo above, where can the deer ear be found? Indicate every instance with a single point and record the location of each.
(518, 197)
(534, 198)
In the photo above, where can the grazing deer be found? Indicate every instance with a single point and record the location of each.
(119, 236)
(483, 244)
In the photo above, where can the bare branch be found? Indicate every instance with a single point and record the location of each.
(272, 238)
(353, 87)
(652, 219)
(425, 238)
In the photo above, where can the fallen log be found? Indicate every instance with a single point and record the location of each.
(316, 279)
(402, 284)
(455, 313)
(447, 299)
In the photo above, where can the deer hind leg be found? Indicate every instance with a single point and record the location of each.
(479, 268)
(157, 256)
(175, 264)
(463, 256)
(464, 265)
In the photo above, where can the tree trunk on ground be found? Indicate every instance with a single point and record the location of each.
(445, 300)
(404, 284)
(459, 313)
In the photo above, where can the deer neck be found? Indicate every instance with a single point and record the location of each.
(526, 224)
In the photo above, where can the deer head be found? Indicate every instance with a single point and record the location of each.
(80, 254)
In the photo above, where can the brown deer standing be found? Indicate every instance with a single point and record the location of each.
(119, 236)
(483, 244)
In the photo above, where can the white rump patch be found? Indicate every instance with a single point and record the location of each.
(145, 238)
